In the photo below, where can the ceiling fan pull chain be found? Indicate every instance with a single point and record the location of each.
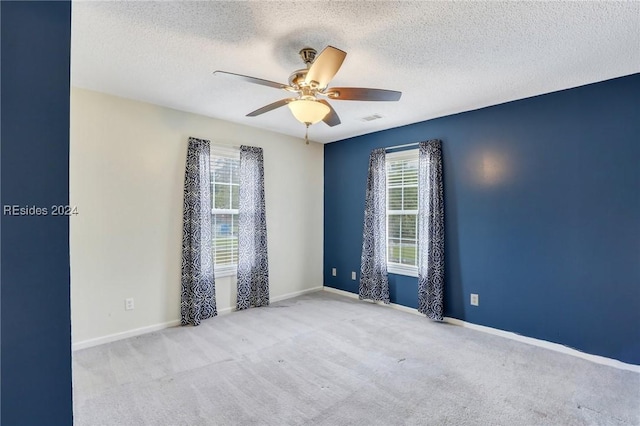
(306, 134)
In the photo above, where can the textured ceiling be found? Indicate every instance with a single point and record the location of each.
(446, 57)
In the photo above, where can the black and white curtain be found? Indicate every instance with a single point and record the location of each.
(253, 265)
(430, 230)
(198, 299)
(374, 283)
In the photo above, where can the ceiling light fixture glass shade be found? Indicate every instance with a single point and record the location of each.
(307, 111)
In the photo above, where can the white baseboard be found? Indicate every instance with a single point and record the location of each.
(296, 293)
(276, 298)
(123, 335)
(151, 328)
(391, 305)
(547, 345)
(510, 335)
(225, 311)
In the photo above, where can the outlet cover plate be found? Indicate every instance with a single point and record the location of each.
(128, 304)
(475, 301)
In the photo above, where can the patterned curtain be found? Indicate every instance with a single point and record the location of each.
(374, 284)
(253, 266)
(198, 300)
(430, 230)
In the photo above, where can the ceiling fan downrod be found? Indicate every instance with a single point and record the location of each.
(308, 55)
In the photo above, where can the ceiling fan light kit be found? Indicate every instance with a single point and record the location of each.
(308, 111)
(311, 82)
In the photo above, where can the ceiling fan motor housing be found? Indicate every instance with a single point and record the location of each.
(296, 79)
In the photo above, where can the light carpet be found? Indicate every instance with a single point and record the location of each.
(325, 359)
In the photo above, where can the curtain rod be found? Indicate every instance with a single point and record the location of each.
(402, 146)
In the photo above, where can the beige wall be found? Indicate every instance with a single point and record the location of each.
(126, 176)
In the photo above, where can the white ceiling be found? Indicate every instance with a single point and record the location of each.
(446, 57)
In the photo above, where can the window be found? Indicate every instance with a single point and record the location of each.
(402, 212)
(225, 165)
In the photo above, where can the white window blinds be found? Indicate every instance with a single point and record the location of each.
(402, 212)
(225, 164)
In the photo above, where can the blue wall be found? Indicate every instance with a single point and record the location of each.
(36, 325)
(542, 215)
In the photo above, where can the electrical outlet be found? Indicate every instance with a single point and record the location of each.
(353, 275)
(128, 304)
(474, 300)
(333, 272)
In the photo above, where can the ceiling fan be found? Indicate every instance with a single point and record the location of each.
(312, 82)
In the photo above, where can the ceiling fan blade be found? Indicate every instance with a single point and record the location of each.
(253, 80)
(325, 66)
(331, 118)
(272, 106)
(362, 94)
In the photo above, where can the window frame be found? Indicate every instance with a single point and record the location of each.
(393, 267)
(234, 154)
